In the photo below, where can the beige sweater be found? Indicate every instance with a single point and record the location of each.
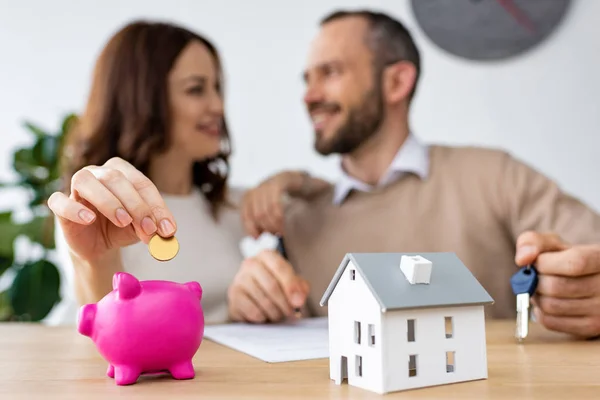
(475, 203)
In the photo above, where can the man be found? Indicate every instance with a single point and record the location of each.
(398, 195)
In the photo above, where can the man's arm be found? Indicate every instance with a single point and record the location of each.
(561, 235)
(534, 202)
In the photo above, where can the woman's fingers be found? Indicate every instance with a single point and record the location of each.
(64, 207)
(91, 189)
(136, 210)
(113, 195)
(149, 193)
(122, 194)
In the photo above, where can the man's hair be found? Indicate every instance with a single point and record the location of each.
(388, 39)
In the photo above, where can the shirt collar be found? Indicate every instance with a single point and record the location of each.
(412, 157)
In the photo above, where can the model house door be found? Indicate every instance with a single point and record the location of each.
(343, 370)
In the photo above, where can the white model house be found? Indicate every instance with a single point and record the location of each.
(399, 321)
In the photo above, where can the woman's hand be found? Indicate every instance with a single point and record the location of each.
(263, 207)
(110, 206)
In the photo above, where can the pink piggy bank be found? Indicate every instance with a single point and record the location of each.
(146, 327)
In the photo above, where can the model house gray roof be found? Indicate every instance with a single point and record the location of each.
(451, 282)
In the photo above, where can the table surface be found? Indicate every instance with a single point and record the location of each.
(38, 361)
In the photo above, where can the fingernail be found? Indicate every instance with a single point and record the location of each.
(86, 216)
(148, 226)
(297, 299)
(525, 251)
(123, 217)
(166, 226)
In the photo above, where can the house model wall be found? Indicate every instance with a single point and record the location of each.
(395, 328)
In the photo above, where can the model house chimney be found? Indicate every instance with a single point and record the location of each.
(416, 269)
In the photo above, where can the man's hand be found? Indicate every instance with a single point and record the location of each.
(266, 288)
(568, 293)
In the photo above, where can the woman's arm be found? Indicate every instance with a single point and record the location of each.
(84, 281)
(93, 279)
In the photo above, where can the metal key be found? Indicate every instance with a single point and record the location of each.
(524, 284)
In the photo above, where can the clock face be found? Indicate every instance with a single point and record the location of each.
(488, 29)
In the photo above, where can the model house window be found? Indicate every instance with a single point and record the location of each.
(371, 335)
(412, 365)
(411, 330)
(358, 365)
(450, 361)
(352, 275)
(357, 332)
(449, 327)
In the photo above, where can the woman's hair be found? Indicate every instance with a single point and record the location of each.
(127, 114)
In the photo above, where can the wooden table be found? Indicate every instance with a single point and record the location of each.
(39, 362)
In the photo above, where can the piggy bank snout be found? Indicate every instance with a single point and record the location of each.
(87, 314)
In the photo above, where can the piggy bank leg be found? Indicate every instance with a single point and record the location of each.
(184, 370)
(126, 375)
(110, 372)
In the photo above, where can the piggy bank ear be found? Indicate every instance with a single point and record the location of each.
(126, 285)
(195, 288)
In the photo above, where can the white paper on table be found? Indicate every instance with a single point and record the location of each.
(302, 339)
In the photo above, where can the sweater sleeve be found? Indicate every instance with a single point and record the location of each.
(232, 217)
(535, 202)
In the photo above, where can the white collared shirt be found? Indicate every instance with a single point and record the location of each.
(412, 157)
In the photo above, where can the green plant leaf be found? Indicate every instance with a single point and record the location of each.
(35, 129)
(41, 193)
(40, 230)
(6, 311)
(31, 172)
(45, 151)
(6, 261)
(35, 290)
(23, 158)
(39, 197)
(5, 216)
(68, 122)
(8, 232)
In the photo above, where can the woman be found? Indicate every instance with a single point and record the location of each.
(150, 156)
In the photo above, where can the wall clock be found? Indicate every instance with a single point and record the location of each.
(486, 30)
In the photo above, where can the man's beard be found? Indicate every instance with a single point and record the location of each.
(362, 123)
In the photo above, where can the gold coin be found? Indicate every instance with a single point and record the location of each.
(163, 249)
